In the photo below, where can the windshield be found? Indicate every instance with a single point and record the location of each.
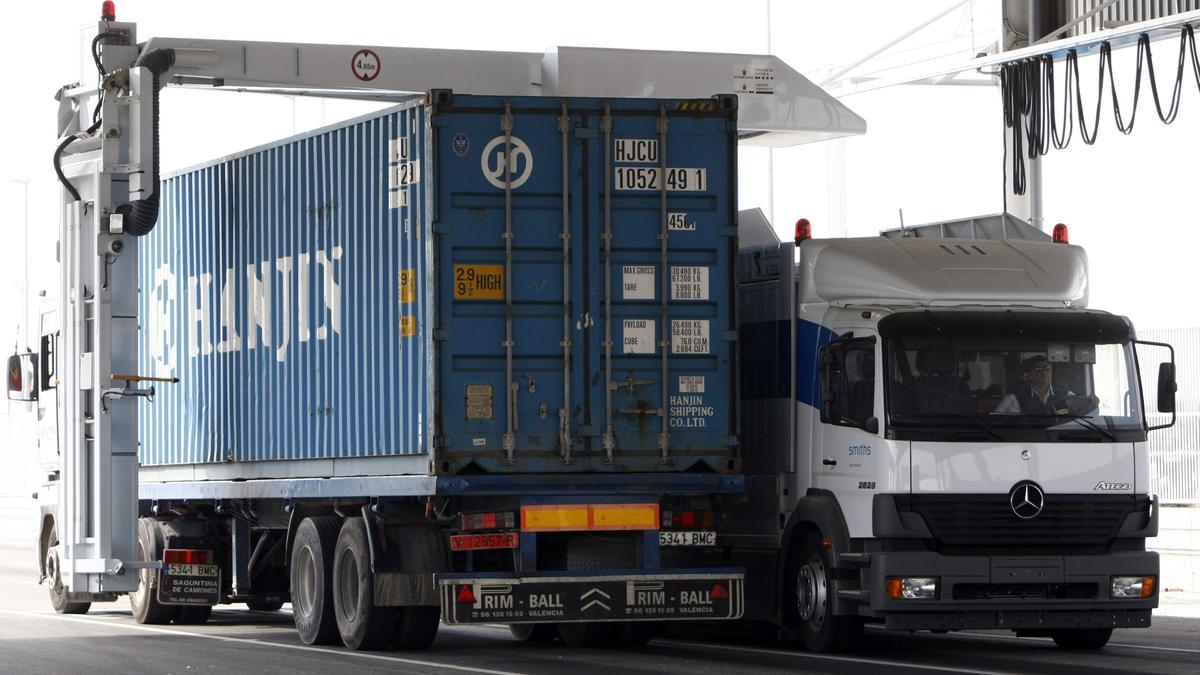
(1011, 377)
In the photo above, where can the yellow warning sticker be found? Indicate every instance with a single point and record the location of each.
(478, 282)
(408, 326)
(408, 287)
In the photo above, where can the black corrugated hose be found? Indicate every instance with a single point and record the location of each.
(1027, 90)
(139, 215)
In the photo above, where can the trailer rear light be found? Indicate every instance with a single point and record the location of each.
(912, 588)
(491, 520)
(1132, 587)
(803, 230)
(108, 11)
(1060, 234)
(686, 520)
(186, 556)
(579, 517)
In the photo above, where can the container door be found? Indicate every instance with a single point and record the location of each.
(509, 265)
(666, 389)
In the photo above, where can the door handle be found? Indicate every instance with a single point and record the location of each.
(829, 462)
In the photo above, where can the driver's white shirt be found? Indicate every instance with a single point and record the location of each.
(1009, 405)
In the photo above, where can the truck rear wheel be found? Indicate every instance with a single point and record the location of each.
(144, 601)
(58, 592)
(362, 624)
(1081, 638)
(312, 580)
(810, 590)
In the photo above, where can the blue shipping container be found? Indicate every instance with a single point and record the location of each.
(481, 283)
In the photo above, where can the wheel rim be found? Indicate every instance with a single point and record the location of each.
(810, 592)
(306, 578)
(143, 587)
(347, 579)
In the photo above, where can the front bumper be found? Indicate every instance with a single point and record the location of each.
(1017, 592)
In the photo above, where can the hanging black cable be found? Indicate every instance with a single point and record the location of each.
(1029, 99)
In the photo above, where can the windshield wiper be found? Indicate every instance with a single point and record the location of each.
(974, 419)
(1085, 421)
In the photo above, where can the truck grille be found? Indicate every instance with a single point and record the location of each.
(981, 520)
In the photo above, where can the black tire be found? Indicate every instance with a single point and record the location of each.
(636, 633)
(588, 633)
(809, 594)
(1081, 638)
(362, 625)
(144, 601)
(533, 632)
(417, 628)
(58, 592)
(193, 615)
(265, 605)
(311, 580)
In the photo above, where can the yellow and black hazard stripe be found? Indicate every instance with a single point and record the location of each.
(696, 106)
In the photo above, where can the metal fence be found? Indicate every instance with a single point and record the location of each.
(1175, 452)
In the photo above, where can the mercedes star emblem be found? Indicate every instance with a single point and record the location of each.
(1026, 500)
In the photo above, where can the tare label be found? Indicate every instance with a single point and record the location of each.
(635, 150)
(637, 282)
(651, 178)
(691, 384)
(689, 283)
(689, 336)
(638, 336)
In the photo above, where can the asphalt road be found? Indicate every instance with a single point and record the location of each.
(35, 640)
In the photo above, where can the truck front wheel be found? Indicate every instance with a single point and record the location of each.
(810, 591)
(1081, 638)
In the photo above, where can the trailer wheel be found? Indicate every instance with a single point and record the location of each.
(362, 624)
(533, 632)
(417, 627)
(144, 601)
(312, 580)
(1081, 638)
(265, 605)
(58, 592)
(193, 615)
(588, 633)
(636, 633)
(810, 590)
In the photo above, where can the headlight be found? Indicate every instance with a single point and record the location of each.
(1132, 587)
(912, 588)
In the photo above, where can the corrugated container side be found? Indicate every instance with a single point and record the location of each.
(287, 295)
(355, 293)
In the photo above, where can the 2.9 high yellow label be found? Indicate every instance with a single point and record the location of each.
(478, 282)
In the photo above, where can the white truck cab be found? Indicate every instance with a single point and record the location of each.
(967, 439)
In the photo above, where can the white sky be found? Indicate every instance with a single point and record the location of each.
(933, 151)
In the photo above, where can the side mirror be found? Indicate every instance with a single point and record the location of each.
(22, 371)
(871, 425)
(1166, 387)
